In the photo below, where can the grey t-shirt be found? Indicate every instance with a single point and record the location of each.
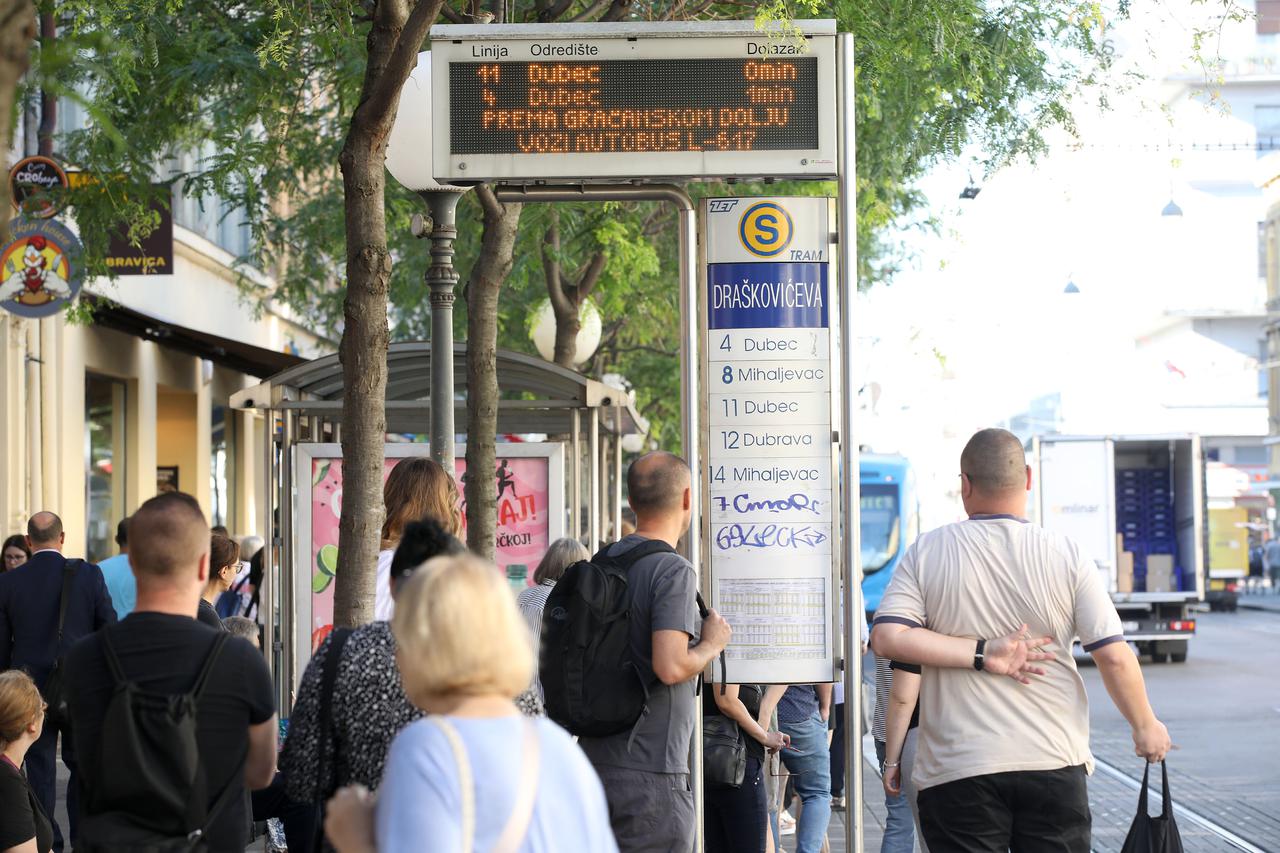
(662, 589)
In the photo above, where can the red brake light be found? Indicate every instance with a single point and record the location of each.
(1183, 625)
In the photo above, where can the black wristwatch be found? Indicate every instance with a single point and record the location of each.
(979, 659)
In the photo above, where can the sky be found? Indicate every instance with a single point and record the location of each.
(980, 325)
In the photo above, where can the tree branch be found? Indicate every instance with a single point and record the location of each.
(589, 13)
(554, 11)
(590, 277)
(449, 15)
(378, 108)
(489, 201)
(617, 10)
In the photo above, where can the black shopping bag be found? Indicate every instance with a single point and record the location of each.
(1153, 834)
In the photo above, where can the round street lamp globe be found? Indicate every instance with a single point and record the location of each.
(409, 145)
(542, 331)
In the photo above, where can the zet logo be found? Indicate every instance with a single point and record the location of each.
(765, 229)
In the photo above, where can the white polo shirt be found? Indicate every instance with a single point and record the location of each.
(982, 578)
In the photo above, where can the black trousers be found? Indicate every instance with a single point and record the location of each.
(1026, 811)
(737, 818)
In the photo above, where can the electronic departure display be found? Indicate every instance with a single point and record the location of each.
(619, 106)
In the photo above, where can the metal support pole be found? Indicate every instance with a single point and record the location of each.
(267, 591)
(690, 400)
(593, 517)
(284, 595)
(575, 526)
(851, 553)
(617, 473)
(441, 278)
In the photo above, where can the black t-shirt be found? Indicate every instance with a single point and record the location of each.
(208, 615)
(914, 668)
(21, 817)
(751, 695)
(163, 653)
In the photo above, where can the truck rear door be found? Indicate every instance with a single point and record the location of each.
(1076, 494)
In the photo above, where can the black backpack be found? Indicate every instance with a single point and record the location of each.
(148, 792)
(592, 685)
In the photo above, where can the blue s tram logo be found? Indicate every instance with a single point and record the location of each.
(765, 229)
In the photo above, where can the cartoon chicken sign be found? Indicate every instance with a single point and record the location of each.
(39, 268)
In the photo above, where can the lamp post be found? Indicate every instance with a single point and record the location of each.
(409, 162)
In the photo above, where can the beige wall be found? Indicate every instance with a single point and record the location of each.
(167, 421)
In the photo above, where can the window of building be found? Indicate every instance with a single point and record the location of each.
(105, 462)
(221, 469)
(1266, 126)
(1267, 21)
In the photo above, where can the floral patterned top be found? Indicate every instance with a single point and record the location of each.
(369, 709)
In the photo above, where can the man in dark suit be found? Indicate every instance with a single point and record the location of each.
(30, 597)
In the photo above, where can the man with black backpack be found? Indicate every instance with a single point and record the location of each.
(623, 646)
(46, 605)
(172, 719)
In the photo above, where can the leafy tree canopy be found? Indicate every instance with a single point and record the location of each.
(262, 92)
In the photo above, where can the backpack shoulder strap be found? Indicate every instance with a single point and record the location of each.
(68, 574)
(628, 559)
(109, 652)
(209, 660)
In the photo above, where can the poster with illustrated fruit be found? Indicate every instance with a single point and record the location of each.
(531, 514)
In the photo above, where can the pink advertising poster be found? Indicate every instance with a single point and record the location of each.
(530, 516)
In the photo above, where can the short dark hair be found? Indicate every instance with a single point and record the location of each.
(122, 532)
(48, 531)
(656, 482)
(994, 461)
(166, 533)
(421, 541)
(221, 530)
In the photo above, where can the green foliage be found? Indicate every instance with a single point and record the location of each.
(266, 91)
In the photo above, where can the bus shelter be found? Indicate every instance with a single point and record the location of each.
(584, 422)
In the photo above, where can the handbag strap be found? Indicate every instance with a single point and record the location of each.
(1164, 790)
(465, 786)
(517, 828)
(328, 681)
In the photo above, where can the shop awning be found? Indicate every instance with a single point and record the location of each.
(236, 355)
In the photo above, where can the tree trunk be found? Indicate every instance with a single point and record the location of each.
(497, 248)
(394, 38)
(17, 31)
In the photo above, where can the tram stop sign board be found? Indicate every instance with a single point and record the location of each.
(770, 374)
(528, 102)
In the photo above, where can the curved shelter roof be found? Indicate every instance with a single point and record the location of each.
(536, 395)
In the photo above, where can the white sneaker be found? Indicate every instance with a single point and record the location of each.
(786, 824)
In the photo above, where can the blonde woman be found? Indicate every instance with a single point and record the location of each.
(475, 775)
(416, 489)
(24, 827)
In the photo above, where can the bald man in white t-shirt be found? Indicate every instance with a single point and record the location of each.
(990, 607)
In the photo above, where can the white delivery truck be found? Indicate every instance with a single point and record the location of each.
(1136, 505)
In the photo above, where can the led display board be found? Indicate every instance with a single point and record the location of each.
(632, 100)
